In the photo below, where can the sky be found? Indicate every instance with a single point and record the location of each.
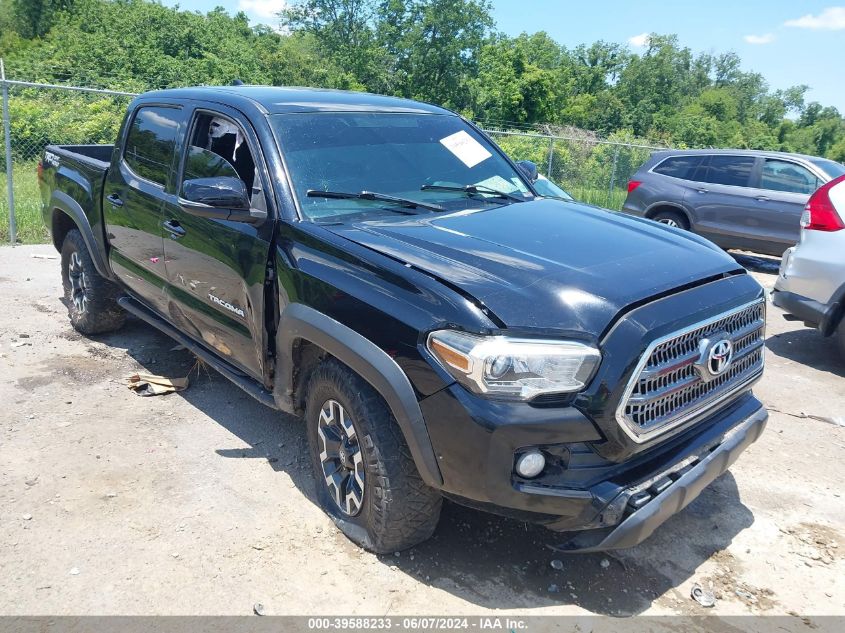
(789, 42)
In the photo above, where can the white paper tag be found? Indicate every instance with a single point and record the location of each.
(469, 151)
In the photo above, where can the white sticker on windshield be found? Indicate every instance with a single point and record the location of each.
(469, 151)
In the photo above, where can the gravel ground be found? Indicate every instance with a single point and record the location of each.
(200, 502)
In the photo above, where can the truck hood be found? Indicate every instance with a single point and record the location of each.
(546, 264)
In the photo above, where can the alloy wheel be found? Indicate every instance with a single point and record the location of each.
(78, 283)
(669, 222)
(340, 458)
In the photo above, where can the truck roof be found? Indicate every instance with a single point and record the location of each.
(278, 100)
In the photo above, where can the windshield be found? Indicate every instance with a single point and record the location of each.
(393, 154)
(831, 168)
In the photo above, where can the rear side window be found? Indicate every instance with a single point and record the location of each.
(679, 166)
(781, 175)
(831, 168)
(727, 170)
(151, 142)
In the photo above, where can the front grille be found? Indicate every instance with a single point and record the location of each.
(668, 387)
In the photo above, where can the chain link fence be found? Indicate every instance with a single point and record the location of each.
(590, 169)
(34, 116)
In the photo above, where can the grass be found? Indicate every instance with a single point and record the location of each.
(30, 226)
(600, 197)
(31, 229)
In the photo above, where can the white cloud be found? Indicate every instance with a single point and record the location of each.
(639, 41)
(768, 38)
(831, 19)
(266, 9)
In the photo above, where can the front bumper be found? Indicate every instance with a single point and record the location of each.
(650, 507)
(591, 463)
(811, 312)
(809, 284)
(475, 443)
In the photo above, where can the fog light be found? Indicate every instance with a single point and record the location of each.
(530, 464)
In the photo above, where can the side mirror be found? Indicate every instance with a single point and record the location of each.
(528, 169)
(221, 192)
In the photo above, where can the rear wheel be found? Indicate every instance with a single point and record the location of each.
(90, 298)
(366, 480)
(671, 218)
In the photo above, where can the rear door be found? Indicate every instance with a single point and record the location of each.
(782, 190)
(676, 187)
(720, 198)
(216, 269)
(133, 195)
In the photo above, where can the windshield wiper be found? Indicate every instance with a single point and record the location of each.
(372, 196)
(474, 189)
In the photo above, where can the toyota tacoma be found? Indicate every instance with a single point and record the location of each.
(381, 268)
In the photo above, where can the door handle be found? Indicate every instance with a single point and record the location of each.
(763, 198)
(702, 190)
(115, 200)
(174, 228)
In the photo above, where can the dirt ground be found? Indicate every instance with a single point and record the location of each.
(200, 502)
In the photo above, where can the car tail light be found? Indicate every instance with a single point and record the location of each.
(820, 214)
(633, 184)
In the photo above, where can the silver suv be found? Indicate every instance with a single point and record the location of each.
(746, 199)
(811, 282)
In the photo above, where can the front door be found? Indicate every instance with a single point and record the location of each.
(721, 201)
(133, 196)
(216, 269)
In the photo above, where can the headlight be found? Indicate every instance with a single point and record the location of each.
(515, 368)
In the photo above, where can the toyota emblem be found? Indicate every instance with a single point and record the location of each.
(716, 357)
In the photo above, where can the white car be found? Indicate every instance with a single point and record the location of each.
(811, 280)
(548, 189)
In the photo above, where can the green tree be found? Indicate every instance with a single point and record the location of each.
(435, 46)
(598, 66)
(837, 151)
(33, 18)
(510, 88)
(344, 30)
(443, 51)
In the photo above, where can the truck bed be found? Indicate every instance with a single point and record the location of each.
(74, 176)
(97, 156)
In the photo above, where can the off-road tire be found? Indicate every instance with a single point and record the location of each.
(671, 218)
(99, 312)
(839, 335)
(398, 510)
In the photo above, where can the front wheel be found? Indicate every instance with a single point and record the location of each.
(840, 338)
(90, 298)
(366, 480)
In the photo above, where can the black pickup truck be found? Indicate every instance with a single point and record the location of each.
(381, 268)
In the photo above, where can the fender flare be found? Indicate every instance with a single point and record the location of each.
(70, 207)
(298, 321)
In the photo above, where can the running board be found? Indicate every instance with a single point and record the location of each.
(250, 385)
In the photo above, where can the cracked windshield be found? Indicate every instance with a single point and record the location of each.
(430, 162)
